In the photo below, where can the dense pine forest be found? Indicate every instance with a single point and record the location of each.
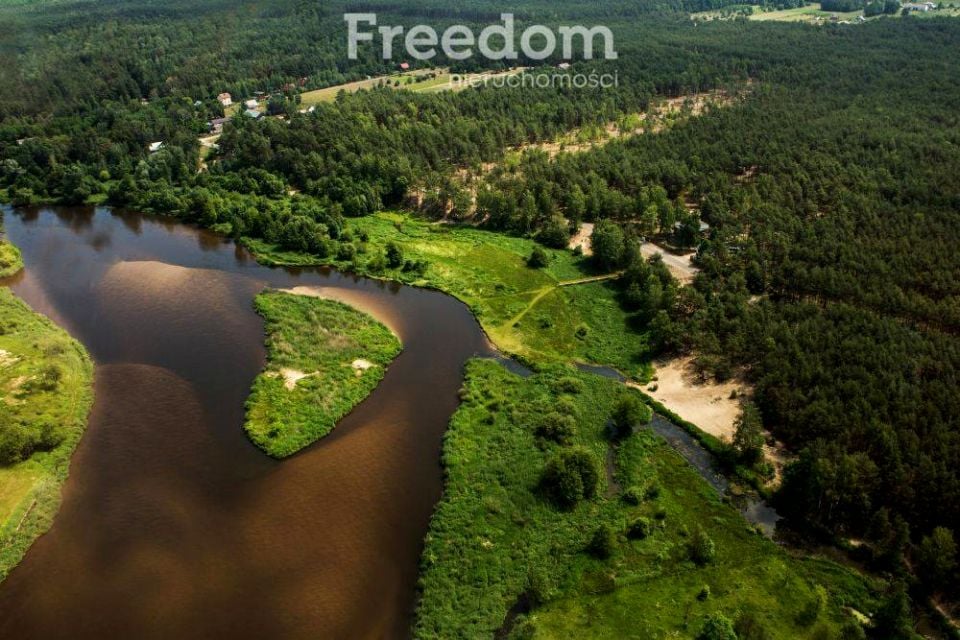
(830, 188)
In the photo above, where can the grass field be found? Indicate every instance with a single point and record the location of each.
(323, 359)
(808, 13)
(31, 346)
(443, 80)
(532, 313)
(407, 80)
(495, 537)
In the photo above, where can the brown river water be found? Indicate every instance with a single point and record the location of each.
(173, 525)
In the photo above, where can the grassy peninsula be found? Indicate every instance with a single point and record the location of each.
(323, 359)
(46, 382)
(551, 505)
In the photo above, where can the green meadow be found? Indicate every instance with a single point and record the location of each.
(651, 554)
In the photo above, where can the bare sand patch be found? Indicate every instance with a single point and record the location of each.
(582, 239)
(13, 386)
(680, 266)
(712, 406)
(360, 366)
(778, 457)
(7, 358)
(291, 377)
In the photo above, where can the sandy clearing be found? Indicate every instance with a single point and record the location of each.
(13, 386)
(681, 267)
(7, 359)
(707, 404)
(291, 377)
(778, 457)
(360, 366)
(209, 142)
(582, 239)
(655, 120)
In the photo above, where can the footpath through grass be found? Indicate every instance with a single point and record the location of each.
(651, 555)
(46, 391)
(323, 359)
(526, 312)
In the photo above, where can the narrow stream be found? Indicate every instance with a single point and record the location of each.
(754, 510)
(173, 525)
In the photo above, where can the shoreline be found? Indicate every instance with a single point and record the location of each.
(41, 476)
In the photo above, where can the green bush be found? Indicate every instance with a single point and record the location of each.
(394, 255)
(653, 491)
(630, 413)
(377, 263)
(569, 477)
(640, 529)
(538, 259)
(569, 384)
(701, 547)
(603, 543)
(557, 427)
(633, 496)
(717, 627)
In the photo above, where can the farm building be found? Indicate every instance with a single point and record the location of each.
(216, 125)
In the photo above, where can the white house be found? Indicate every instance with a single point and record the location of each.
(225, 99)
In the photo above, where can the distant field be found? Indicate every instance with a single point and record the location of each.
(443, 81)
(407, 81)
(811, 13)
(808, 13)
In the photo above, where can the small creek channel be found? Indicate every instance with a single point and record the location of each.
(754, 510)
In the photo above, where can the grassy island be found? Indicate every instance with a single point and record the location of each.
(46, 383)
(560, 522)
(323, 359)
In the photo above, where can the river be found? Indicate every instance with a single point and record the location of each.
(173, 525)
